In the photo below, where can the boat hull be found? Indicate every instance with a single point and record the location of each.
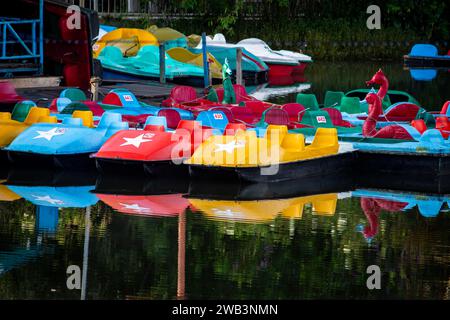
(433, 62)
(68, 161)
(164, 168)
(281, 74)
(404, 163)
(288, 171)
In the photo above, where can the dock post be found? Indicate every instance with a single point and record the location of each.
(162, 62)
(205, 61)
(239, 66)
(95, 82)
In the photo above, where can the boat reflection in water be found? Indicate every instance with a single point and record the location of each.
(373, 202)
(260, 211)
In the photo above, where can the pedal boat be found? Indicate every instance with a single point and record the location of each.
(24, 114)
(277, 156)
(66, 144)
(158, 150)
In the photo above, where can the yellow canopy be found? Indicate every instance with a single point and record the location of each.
(128, 40)
(186, 56)
(165, 34)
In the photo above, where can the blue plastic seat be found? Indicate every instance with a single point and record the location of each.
(213, 119)
(156, 121)
(424, 50)
(108, 118)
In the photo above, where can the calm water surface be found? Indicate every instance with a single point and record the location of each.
(167, 243)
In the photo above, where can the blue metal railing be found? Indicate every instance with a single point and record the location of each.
(22, 39)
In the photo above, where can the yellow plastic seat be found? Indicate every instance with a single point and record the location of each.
(47, 119)
(86, 117)
(5, 116)
(34, 115)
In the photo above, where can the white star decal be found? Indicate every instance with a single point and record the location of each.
(48, 135)
(136, 141)
(229, 147)
(135, 207)
(48, 199)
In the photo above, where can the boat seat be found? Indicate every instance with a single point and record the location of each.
(445, 108)
(21, 110)
(183, 94)
(420, 125)
(226, 111)
(275, 116)
(317, 119)
(188, 125)
(258, 107)
(424, 50)
(402, 111)
(294, 142)
(240, 92)
(336, 117)
(443, 125)
(58, 104)
(212, 95)
(333, 98)
(308, 100)
(87, 117)
(276, 131)
(156, 121)
(69, 109)
(35, 114)
(5, 116)
(47, 119)
(122, 98)
(108, 118)
(243, 114)
(172, 116)
(8, 93)
(232, 128)
(74, 94)
(350, 105)
(325, 137)
(213, 119)
(294, 110)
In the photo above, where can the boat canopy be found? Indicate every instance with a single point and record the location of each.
(172, 38)
(128, 40)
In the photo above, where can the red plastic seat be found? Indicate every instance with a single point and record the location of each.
(295, 111)
(172, 116)
(402, 112)
(276, 116)
(445, 107)
(180, 94)
(240, 93)
(244, 114)
(232, 128)
(420, 125)
(443, 125)
(336, 117)
(258, 107)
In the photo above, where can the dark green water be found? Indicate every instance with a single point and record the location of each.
(167, 246)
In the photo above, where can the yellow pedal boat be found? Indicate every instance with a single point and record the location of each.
(24, 115)
(277, 156)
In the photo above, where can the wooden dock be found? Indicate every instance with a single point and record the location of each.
(150, 92)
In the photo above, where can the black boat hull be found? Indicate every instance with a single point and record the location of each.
(164, 168)
(67, 161)
(430, 62)
(288, 171)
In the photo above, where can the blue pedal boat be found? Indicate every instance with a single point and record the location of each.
(426, 55)
(66, 144)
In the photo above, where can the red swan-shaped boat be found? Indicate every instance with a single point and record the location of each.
(376, 109)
